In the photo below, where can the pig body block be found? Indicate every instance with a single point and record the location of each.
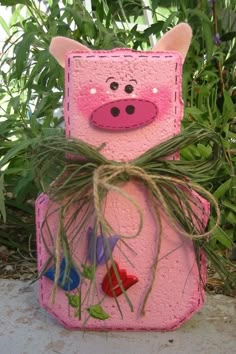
(130, 101)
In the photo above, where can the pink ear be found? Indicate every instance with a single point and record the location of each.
(177, 39)
(61, 45)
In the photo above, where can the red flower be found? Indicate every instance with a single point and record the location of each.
(110, 284)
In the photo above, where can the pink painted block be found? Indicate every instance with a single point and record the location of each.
(130, 101)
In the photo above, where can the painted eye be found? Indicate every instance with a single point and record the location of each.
(129, 88)
(114, 85)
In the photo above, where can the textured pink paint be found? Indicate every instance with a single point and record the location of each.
(177, 292)
(159, 71)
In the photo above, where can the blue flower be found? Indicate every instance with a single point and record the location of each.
(71, 282)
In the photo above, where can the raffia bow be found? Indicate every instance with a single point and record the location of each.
(84, 177)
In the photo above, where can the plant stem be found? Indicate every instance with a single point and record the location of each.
(219, 66)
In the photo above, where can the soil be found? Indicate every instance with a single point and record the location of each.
(15, 265)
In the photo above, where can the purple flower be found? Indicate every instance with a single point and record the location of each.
(100, 247)
(217, 39)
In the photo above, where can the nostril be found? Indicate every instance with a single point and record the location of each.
(130, 109)
(115, 111)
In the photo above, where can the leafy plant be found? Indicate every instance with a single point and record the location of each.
(32, 83)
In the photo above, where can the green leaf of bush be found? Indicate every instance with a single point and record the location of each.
(222, 189)
(231, 218)
(228, 36)
(13, 2)
(193, 111)
(4, 25)
(223, 238)
(231, 59)
(16, 149)
(22, 52)
(229, 205)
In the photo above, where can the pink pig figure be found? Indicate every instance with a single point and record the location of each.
(131, 101)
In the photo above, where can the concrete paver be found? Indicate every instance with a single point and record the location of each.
(26, 329)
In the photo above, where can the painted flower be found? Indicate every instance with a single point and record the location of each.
(100, 247)
(110, 283)
(69, 283)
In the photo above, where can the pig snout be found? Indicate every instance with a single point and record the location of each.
(124, 114)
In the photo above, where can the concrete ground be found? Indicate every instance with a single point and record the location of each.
(27, 329)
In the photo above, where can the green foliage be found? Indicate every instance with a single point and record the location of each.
(32, 87)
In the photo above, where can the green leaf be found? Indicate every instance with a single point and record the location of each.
(21, 206)
(14, 103)
(16, 149)
(169, 20)
(13, 2)
(206, 29)
(193, 111)
(228, 36)
(42, 58)
(222, 237)
(155, 28)
(229, 205)
(230, 60)
(232, 191)
(5, 126)
(74, 300)
(13, 171)
(22, 53)
(96, 311)
(231, 218)
(89, 29)
(155, 4)
(23, 186)
(4, 25)
(2, 199)
(186, 154)
(201, 151)
(88, 271)
(228, 108)
(223, 189)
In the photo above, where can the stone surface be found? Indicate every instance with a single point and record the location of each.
(26, 329)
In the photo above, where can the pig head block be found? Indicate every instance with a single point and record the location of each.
(125, 102)
(134, 103)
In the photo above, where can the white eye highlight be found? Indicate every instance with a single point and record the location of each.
(108, 92)
(133, 95)
(155, 90)
(93, 91)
